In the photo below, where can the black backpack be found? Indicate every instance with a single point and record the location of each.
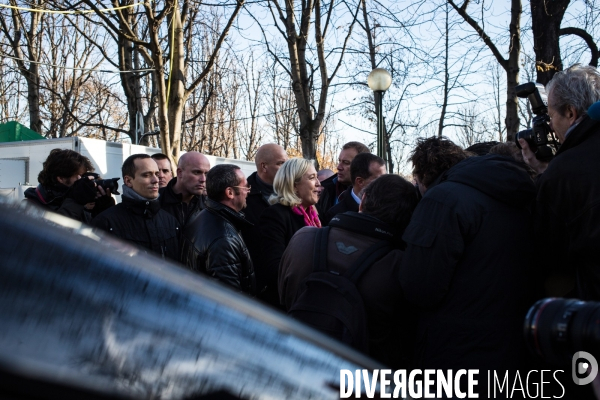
(330, 302)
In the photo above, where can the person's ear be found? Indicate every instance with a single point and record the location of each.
(61, 180)
(263, 166)
(128, 181)
(571, 112)
(359, 182)
(229, 193)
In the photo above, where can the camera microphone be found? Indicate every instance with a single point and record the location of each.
(594, 111)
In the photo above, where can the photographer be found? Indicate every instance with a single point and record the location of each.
(567, 207)
(63, 190)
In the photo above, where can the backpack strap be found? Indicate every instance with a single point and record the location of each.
(320, 249)
(368, 258)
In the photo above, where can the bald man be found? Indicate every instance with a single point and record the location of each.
(184, 196)
(269, 158)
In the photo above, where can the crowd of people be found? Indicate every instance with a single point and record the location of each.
(474, 240)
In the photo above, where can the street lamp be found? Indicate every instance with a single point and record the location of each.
(379, 80)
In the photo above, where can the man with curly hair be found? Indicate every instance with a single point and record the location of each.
(61, 187)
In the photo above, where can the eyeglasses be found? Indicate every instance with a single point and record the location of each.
(243, 187)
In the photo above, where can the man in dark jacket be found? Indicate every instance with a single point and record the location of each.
(567, 209)
(184, 196)
(213, 242)
(462, 266)
(334, 186)
(62, 189)
(138, 218)
(365, 168)
(269, 158)
(385, 211)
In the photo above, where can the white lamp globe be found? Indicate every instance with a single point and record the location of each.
(379, 80)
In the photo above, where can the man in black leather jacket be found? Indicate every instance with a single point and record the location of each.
(138, 218)
(213, 242)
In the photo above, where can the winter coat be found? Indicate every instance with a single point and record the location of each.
(466, 265)
(144, 224)
(255, 205)
(567, 210)
(278, 223)
(332, 189)
(346, 203)
(171, 202)
(56, 200)
(213, 244)
(389, 319)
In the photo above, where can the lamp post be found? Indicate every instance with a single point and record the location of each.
(379, 80)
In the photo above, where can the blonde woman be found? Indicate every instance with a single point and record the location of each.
(296, 189)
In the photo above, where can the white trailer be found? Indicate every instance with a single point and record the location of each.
(21, 162)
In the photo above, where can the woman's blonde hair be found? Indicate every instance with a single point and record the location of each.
(289, 173)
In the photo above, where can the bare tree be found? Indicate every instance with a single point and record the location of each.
(251, 134)
(310, 78)
(510, 64)
(23, 31)
(281, 111)
(546, 17)
(162, 45)
(473, 126)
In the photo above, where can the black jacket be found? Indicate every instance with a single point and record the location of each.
(466, 265)
(144, 224)
(56, 199)
(567, 210)
(213, 244)
(255, 205)
(332, 189)
(346, 203)
(278, 223)
(171, 202)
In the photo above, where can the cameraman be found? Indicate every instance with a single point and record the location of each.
(62, 189)
(567, 207)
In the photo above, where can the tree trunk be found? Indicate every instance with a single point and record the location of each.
(177, 93)
(32, 42)
(546, 17)
(510, 65)
(512, 72)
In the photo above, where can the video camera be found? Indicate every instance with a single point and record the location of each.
(540, 135)
(555, 329)
(104, 183)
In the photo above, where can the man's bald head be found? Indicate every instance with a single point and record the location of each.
(191, 175)
(269, 158)
(191, 157)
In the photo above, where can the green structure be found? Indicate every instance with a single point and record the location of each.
(15, 132)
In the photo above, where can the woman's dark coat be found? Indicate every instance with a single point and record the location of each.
(278, 223)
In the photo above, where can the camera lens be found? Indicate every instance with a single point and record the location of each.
(555, 329)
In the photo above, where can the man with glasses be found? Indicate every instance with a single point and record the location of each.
(213, 243)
